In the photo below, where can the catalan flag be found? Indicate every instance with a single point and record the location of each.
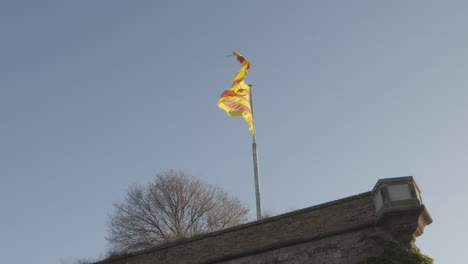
(236, 101)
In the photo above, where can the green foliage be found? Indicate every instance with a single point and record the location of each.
(395, 253)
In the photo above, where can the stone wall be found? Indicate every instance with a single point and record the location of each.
(351, 247)
(343, 231)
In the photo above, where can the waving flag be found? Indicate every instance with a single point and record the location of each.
(236, 101)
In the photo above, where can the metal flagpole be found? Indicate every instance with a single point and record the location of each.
(255, 162)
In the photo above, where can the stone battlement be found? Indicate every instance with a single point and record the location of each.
(348, 230)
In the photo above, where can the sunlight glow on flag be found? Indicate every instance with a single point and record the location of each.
(236, 101)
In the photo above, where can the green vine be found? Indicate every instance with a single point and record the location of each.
(395, 253)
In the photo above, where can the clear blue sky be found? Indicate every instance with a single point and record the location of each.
(98, 95)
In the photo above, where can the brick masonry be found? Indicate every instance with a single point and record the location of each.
(343, 231)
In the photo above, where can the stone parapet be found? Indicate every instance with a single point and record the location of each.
(341, 231)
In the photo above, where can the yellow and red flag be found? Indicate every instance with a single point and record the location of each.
(236, 101)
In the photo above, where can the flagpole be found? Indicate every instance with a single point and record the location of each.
(255, 162)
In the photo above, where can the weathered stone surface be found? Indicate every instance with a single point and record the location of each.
(343, 231)
(345, 248)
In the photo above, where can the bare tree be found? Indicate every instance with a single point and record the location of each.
(174, 206)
